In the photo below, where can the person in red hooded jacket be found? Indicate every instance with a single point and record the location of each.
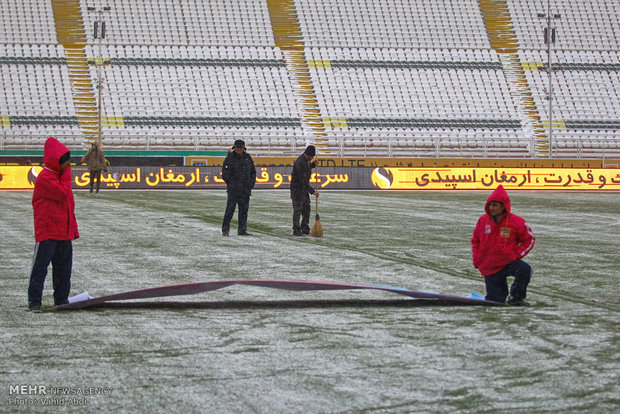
(55, 226)
(500, 240)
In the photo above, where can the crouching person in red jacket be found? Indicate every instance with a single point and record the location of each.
(500, 240)
(54, 226)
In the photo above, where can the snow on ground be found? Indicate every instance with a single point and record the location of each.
(250, 349)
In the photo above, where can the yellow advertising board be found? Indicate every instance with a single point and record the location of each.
(345, 178)
(23, 177)
(485, 178)
(18, 177)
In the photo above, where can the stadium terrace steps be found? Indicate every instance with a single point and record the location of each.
(71, 35)
(504, 41)
(69, 26)
(288, 37)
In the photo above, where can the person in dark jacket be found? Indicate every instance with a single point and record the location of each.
(300, 190)
(500, 241)
(239, 173)
(54, 226)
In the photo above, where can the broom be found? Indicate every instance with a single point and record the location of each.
(317, 229)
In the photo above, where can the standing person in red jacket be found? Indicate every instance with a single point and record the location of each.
(500, 240)
(54, 226)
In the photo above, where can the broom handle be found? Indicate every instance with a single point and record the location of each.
(316, 188)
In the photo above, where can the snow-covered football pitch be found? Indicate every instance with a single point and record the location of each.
(257, 350)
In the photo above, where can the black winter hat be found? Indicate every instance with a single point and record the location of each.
(310, 150)
(64, 158)
(239, 143)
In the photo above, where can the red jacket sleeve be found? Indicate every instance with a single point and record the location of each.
(526, 240)
(475, 243)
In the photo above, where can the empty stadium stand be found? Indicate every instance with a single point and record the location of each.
(394, 78)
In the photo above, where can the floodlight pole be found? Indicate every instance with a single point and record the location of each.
(99, 34)
(549, 38)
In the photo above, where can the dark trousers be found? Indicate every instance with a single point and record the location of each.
(60, 254)
(95, 175)
(497, 286)
(301, 209)
(244, 205)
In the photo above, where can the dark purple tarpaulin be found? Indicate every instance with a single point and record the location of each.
(292, 285)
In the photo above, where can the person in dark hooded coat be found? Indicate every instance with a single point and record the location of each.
(239, 173)
(301, 190)
(55, 226)
(499, 242)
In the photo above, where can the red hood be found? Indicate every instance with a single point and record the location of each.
(52, 151)
(499, 195)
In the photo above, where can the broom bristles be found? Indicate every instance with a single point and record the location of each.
(317, 229)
